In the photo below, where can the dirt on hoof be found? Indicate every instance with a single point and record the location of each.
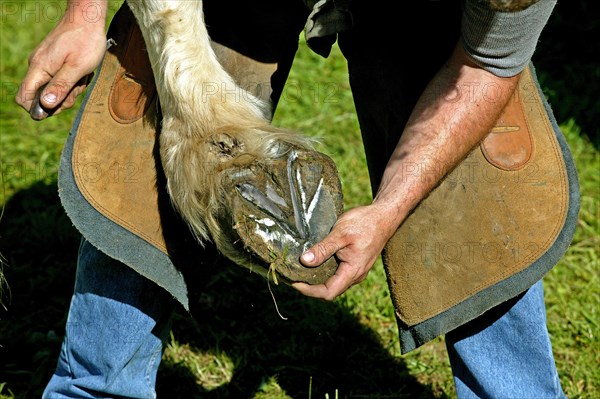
(280, 208)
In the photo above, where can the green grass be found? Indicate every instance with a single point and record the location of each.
(236, 345)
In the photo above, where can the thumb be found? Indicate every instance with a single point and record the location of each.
(321, 251)
(59, 87)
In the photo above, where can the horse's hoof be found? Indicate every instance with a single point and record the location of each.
(281, 207)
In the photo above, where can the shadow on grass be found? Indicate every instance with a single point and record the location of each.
(40, 246)
(233, 314)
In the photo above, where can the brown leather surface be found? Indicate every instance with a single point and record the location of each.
(509, 145)
(133, 89)
(482, 224)
(253, 76)
(113, 161)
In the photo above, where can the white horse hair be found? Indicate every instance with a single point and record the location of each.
(202, 134)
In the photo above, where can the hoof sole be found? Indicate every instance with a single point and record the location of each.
(281, 207)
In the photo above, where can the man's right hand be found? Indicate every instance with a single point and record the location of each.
(68, 54)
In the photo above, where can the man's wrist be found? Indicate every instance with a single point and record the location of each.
(86, 12)
(389, 215)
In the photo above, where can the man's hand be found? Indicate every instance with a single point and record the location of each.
(356, 239)
(62, 61)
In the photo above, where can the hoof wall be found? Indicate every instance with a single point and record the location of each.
(281, 207)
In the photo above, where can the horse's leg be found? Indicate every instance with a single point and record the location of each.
(260, 193)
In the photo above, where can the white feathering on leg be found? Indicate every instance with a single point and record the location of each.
(191, 85)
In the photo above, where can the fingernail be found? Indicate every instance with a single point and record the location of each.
(50, 98)
(308, 257)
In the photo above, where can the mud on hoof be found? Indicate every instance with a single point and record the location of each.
(280, 207)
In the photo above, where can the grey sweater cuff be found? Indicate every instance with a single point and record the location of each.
(503, 42)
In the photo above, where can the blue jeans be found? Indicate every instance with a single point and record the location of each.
(506, 353)
(118, 322)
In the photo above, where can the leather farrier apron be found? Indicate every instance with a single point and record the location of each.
(492, 228)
